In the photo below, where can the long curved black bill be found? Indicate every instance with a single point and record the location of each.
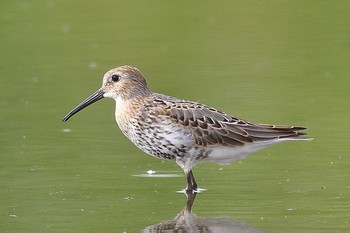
(97, 95)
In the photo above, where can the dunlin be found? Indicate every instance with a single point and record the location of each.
(184, 131)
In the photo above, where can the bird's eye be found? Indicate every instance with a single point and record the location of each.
(115, 78)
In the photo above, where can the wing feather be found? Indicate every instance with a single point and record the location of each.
(209, 126)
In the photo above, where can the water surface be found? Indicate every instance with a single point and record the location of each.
(282, 62)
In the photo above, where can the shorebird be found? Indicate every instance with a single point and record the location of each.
(184, 131)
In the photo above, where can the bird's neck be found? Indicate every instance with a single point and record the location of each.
(127, 109)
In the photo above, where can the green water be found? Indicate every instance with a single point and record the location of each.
(282, 62)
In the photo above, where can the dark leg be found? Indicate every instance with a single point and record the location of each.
(194, 183)
(190, 200)
(191, 183)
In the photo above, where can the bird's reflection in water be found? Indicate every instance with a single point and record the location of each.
(187, 222)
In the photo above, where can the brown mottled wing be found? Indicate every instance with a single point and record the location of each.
(210, 126)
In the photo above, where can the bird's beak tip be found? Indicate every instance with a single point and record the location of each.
(97, 95)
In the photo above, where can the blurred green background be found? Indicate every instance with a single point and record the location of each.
(281, 62)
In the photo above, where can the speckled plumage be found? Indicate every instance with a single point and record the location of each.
(184, 131)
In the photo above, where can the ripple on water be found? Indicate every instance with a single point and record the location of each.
(154, 174)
